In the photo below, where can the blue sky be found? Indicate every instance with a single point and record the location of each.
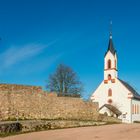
(37, 35)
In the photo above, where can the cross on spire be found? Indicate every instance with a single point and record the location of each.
(110, 45)
(110, 34)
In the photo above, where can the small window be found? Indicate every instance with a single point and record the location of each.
(109, 64)
(124, 115)
(110, 92)
(110, 101)
(137, 109)
(109, 77)
(133, 109)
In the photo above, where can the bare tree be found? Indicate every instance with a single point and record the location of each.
(64, 81)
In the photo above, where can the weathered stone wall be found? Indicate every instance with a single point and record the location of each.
(30, 102)
(13, 88)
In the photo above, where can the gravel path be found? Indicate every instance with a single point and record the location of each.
(106, 132)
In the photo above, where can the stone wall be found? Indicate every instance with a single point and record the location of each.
(31, 102)
(14, 88)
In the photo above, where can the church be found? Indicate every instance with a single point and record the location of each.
(116, 97)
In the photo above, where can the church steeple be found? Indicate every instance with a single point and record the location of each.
(110, 44)
(110, 59)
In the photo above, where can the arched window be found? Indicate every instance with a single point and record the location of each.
(109, 77)
(109, 64)
(110, 92)
(137, 109)
(110, 101)
(133, 109)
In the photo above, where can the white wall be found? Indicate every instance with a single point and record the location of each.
(110, 56)
(113, 72)
(119, 97)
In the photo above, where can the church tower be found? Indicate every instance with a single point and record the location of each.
(110, 62)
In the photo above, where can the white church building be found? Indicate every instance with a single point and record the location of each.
(115, 96)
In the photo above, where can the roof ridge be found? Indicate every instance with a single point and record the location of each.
(130, 88)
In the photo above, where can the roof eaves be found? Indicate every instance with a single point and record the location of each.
(131, 89)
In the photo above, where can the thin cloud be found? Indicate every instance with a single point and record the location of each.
(16, 54)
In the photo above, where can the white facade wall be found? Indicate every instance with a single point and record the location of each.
(119, 98)
(110, 56)
(135, 110)
(113, 72)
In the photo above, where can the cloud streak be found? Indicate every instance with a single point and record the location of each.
(17, 54)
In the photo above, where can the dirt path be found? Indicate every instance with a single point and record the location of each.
(107, 132)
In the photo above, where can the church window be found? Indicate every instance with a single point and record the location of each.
(110, 92)
(137, 109)
(109, 101)
(109, 64)
(109, 77)
(132, 108)
(124, 115)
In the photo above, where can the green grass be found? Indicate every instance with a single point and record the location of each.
(45, 128)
